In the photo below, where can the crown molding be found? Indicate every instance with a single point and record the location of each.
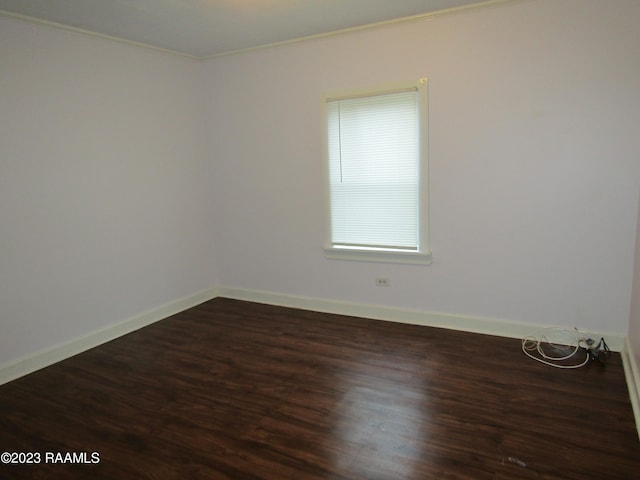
(89, 33)
(421, 17)
(410, 19)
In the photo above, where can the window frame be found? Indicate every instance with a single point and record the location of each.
(422, 255)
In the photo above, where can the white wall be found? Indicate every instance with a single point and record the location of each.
(634, 319)
(104, 185)
(535, 162)
(130, 178)
(631, 352)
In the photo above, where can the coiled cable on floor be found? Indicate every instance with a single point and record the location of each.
(557, 346)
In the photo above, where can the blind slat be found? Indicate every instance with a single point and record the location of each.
(373, 168)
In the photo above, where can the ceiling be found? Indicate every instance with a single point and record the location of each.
(204, 28)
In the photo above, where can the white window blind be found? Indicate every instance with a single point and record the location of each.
(374, 171)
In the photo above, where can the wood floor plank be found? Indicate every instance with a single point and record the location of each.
(238, 390)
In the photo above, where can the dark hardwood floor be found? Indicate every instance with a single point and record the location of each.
(238, 390)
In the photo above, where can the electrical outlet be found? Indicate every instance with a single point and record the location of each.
(382, 282)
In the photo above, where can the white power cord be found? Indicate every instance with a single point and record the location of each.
(554, 353)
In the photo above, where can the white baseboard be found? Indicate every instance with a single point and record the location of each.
(632, 373)
(49, 356)
(488, 326)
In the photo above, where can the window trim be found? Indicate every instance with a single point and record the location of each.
(423, 255)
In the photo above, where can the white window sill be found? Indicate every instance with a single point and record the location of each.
(379, 255)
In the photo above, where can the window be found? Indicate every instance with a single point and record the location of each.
(377, 170)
